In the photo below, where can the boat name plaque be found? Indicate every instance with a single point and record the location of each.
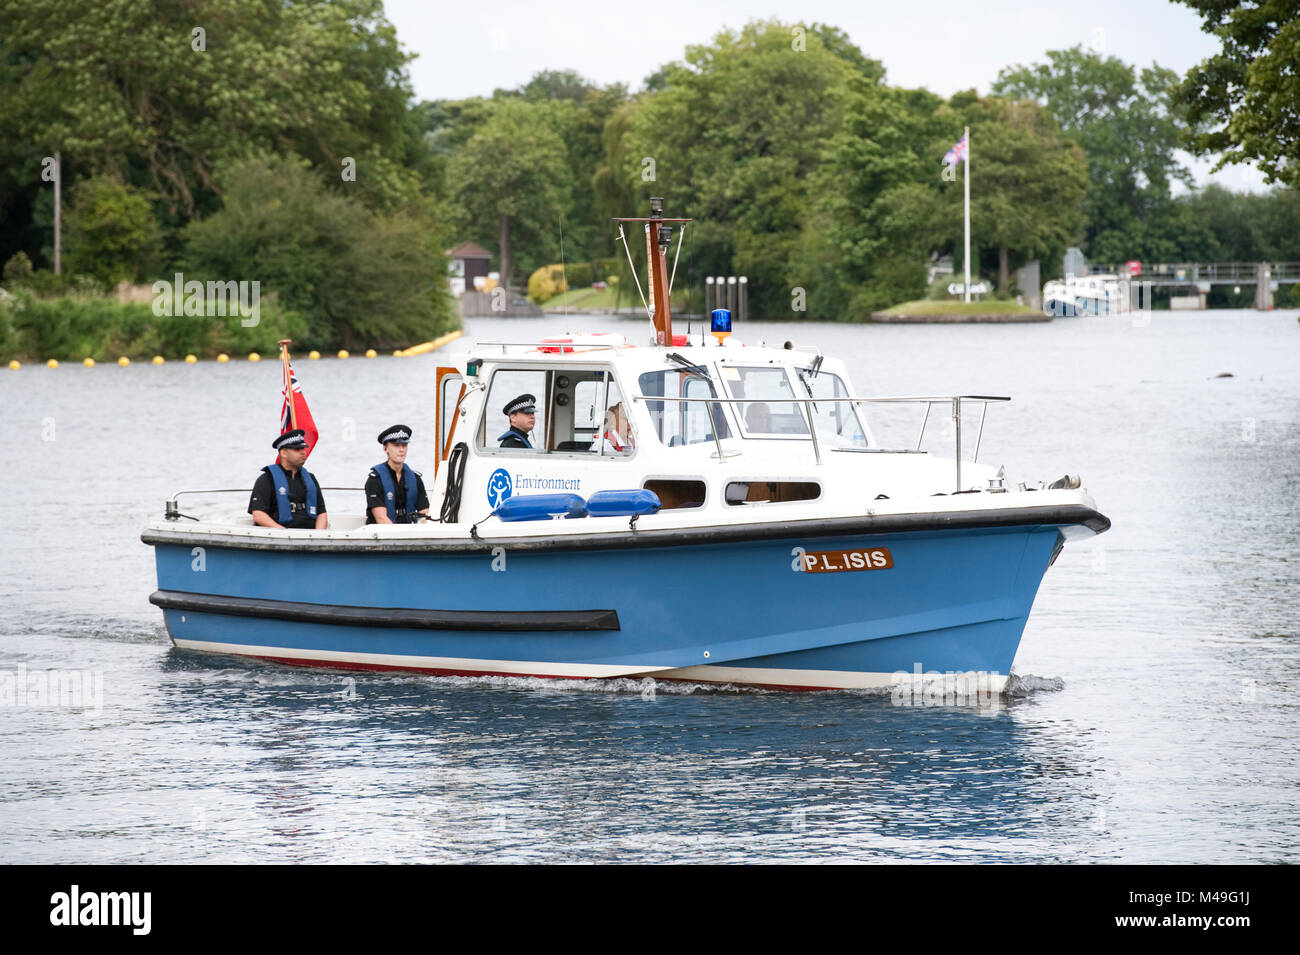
(838, 561)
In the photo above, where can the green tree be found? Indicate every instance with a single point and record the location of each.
(1217, 225)
(1129, 124)
(1241, 102)
(359, 277)
(733, 139)
(1028, 181)
(578, 111)
(110, 231)
(879, 208)
(130, 89)
(510, 177)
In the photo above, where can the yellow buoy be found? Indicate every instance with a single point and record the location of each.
(371, 353)
(124, 361)
(88, 362)
(190, 359)
(14, 364)
(223, 358)
(158, 359)
(343, 353)
(313, 354)
(254, 356)
(52, 363)
(397, 353)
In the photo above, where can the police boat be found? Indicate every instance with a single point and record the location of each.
(688, 508)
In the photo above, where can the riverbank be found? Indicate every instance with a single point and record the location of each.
(923, 311)
(606, 301)
(101, 328)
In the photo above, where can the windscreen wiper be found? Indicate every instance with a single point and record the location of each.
(694, 369)
(812, 372)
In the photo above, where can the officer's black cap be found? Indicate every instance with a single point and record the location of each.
(524, 404)
(398, 434)
(290, 439)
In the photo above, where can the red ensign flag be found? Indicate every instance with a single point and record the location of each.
(297, 414)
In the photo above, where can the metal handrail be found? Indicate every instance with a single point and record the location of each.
(929, 400)
(593, 346)
(244, 490)
(172, 511)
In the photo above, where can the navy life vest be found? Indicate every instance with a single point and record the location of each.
(408, 481)
(518, 434)
(281, 481)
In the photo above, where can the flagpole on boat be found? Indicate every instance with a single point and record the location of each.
(288, 381)
(658, 232)
(966, 257)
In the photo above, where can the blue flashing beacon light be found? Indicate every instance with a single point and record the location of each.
(721, 325)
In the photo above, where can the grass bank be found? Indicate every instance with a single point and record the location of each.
(601, 300)
(77, 327)
(987, 307)
(924, 311)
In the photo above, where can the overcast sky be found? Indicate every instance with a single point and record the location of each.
(470, 49)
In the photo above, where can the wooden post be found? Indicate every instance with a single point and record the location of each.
(58, 213)
(505, 252)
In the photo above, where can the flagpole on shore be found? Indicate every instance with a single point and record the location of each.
(288, 381)
(966, 257)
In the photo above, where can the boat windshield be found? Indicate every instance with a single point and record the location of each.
(682, 422)
(838, 423)
(768, 416)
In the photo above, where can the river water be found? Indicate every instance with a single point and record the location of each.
(1154, 717)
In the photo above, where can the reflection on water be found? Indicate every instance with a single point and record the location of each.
(442, 769)
(1154, 720)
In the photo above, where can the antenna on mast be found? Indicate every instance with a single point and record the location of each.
(658, 236)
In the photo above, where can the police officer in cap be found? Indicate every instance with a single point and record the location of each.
(522, 413)
(394, 490)
(285, 494)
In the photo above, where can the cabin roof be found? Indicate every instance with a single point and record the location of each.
(606, 348)
(469, 250)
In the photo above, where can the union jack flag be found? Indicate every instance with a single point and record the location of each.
(300, 415)
(958, 152)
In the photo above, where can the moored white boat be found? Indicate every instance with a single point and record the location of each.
(1097, 294)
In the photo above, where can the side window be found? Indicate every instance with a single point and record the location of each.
(611, 420)
(837, 422)
(451, 385)
(587, 401)
(507, 385)
(579, 411)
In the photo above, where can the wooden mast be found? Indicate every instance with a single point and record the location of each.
(657, 260)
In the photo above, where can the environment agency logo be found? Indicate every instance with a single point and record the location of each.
(498, 487)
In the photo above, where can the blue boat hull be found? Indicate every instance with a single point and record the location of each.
(736, 611)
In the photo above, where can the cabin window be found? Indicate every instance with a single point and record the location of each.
(574, 406)
(839, 424)
(508, 384)
(599, 410)
(771, 492)
(682, 422)
(674, 494)
(450, 386)
(768, 416)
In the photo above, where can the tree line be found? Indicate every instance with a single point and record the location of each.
(282, 143)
